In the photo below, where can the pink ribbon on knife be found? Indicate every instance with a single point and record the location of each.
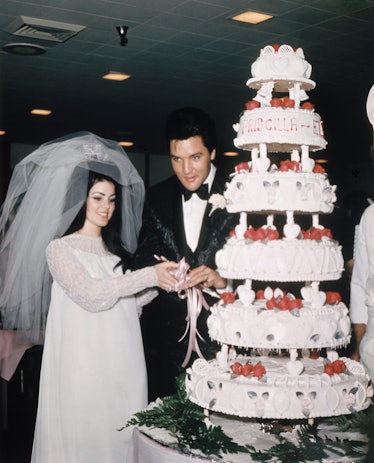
(195, 302)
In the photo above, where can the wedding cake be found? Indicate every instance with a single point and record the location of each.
(290, 368)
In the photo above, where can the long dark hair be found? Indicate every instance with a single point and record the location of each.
(111, 234)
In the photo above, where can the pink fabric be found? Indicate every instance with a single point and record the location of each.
(10, 353)
(195, 302)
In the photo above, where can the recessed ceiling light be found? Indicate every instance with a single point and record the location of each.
(231, 153)
(322, 161)
(126, 143)
(25, 49)
(41, 112)
(118, 76)
(252, 17)
(2, 132)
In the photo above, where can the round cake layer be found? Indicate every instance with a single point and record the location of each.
(280, 260)
(280, 61)
(279, 395)
(256, 326)
(280, 191)
(281, 129)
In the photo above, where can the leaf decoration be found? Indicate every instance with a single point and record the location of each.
(185, 422)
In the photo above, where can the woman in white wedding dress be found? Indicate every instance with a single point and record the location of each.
(93, 375)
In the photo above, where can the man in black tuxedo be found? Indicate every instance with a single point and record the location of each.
(178, 223)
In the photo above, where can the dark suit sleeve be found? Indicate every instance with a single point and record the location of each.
(156, 234)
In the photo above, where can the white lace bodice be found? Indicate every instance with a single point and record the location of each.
(92, 293)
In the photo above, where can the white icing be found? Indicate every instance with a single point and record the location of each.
(280, 260)
(254, 325)
(292, 387)
(278, 394)
(278, 191)
(282, 129)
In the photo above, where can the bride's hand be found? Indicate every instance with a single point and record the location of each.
(165, 280)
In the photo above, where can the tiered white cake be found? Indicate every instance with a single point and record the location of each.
(272, 321)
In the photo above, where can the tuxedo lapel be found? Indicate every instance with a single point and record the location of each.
(209, 224)
(178, 224)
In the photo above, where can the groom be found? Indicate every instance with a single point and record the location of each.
(178, 222)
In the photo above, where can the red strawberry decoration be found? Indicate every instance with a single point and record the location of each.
(333, 297)
(259, 370)
(250, 234)
(283, 304)
(261, 234)
(335, 367)
(315, 234)
(326, 232)
(247, 369)
(339, 366)
(287, 165)
(276, 46)
(288, 102)
(242, 166)
(260, 294)
(314, 354)
(232, 234)
(252, 104)
(271, 303)
(276, 102)
(329, 369)
(295, 304)
(237, 368)
(307, 105)
(272, 234)
(318, 169)
(228, 297)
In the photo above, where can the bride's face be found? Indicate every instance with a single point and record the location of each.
(100, 204)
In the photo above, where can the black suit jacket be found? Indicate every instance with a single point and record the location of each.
(163, 321)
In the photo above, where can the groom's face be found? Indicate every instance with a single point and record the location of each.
(190, 160)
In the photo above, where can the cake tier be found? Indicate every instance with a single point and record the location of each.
(280, 191)
(278, 394)
(280, 260)
(281, 129)
(282, 84)
(256, 326)
(281, 62)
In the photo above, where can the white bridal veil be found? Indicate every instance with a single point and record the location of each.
(46, 191)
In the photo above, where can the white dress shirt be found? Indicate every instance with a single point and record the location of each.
(193, 213)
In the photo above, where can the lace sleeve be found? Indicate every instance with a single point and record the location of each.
(145, 297)
(93, 294)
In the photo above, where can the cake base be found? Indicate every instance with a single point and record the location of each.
(279, 394)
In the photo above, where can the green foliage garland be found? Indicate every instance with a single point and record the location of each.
(185, 422)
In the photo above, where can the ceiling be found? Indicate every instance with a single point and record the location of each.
(181, 52)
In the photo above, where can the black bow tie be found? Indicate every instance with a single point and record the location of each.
(202, 192)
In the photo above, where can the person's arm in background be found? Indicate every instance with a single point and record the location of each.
(360, 275)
